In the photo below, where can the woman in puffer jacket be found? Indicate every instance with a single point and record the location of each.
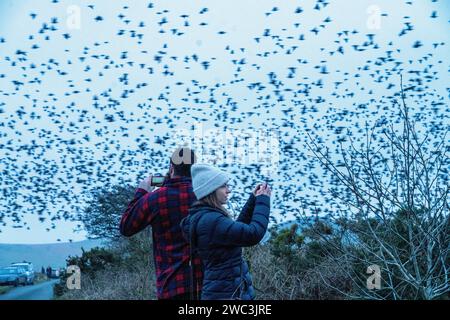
(218, 239)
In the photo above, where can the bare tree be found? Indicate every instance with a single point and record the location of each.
(391, 192)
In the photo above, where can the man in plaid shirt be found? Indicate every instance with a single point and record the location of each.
(164, 209)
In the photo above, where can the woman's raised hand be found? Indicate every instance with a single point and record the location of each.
(263, 189)
(256, 189)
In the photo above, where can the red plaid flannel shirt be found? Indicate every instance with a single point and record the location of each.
(163, 209)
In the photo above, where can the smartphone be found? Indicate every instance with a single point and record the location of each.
(157, 181)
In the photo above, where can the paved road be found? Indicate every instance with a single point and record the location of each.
(41, 291)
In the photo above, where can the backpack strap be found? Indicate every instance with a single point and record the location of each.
(192, 249)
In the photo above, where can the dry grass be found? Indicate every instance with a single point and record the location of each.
(273, 278)
(137, 284)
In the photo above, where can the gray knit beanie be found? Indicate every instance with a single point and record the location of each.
(206, 179)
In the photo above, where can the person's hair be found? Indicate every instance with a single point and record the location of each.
(211, 200)
(182, 160)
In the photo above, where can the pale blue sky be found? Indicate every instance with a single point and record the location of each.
(242, 21)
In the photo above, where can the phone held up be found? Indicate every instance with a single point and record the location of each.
(157, 180)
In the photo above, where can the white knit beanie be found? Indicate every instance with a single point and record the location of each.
(206, 179)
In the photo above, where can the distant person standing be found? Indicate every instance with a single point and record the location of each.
(163, 209)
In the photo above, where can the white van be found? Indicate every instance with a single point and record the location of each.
(29, 270)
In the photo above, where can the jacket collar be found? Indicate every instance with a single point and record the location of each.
(200, 207)
(177, 181)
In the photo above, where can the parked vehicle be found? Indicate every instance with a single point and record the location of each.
(29, 270)
(13, 276)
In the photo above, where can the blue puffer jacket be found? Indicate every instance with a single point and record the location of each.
(219, 241)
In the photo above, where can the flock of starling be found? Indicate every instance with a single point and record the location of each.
(88, 106)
